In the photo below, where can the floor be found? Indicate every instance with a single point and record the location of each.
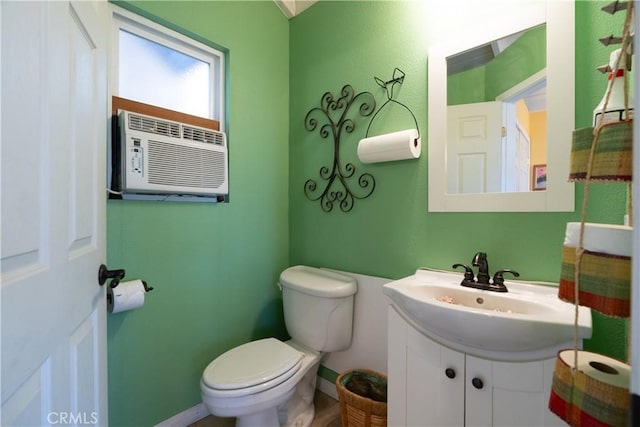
(327, 415)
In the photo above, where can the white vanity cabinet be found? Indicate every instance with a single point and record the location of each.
(430, 384)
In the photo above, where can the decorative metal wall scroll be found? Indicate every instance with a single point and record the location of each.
(334, 112)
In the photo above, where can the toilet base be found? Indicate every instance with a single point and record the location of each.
(266, 418)
(299, 410)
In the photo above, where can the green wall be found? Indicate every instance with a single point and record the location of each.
(525, 57)
(391, 233)
(213, 266)
(522, 59)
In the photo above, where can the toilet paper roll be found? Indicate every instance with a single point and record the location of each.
(125, 296)
(604, 238)
(401, 145)
(604, 279)
(596, 393)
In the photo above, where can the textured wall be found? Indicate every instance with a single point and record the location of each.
(213, 267)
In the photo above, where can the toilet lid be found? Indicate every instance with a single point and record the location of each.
(250, 364)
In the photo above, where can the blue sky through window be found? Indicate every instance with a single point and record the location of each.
(156, 74)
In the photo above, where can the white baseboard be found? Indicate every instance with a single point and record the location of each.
(186, 417)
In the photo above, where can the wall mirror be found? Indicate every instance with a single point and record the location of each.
(501, 113)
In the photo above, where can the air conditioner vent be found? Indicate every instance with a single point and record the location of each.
(151, 125)
(171, 164)
(163, 157)
(201, 135)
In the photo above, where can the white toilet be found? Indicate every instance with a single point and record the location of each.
(268, 383)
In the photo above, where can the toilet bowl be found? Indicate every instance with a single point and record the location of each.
(260, 398)
(269, 383)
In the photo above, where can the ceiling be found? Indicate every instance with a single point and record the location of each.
(291, 8)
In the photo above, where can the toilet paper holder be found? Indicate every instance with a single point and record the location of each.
(115, 275)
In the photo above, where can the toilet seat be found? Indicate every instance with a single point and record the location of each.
(251, 368)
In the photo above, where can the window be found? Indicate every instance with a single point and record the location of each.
(155, 65)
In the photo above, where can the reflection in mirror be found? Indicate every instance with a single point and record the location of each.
(496, 114)
(520, 64)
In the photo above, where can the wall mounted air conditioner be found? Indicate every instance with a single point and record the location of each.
(160, 156)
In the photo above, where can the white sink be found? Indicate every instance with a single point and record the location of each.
(529, 320)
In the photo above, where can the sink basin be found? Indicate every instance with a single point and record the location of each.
(528, 322)
(485, 301)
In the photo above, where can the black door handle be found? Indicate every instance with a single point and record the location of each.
(104, 274)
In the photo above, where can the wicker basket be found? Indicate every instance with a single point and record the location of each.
(360, 411)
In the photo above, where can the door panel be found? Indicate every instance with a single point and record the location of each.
(54, 123)
(474, 147)
(433, 398)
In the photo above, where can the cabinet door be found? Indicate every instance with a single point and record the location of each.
(511, 394)
(519, 395)
(435, 383)
(396, 369)
(478, 394)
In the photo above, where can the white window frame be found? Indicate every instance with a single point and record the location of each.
(123, 19)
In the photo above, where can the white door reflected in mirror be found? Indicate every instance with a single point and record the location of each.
(475, 166)
(474, 151)
(496, 114)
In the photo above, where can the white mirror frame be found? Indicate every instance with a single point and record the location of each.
(560, 194)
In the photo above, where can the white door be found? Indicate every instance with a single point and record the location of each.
(522, 164)
(516, 156)
(474, 147)
(54, 130)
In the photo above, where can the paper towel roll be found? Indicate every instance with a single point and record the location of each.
(404, 144)
(125, 296)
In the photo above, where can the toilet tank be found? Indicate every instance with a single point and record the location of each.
(318, 307)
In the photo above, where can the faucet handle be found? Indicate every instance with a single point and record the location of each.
(498, 278)
(468, 272)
